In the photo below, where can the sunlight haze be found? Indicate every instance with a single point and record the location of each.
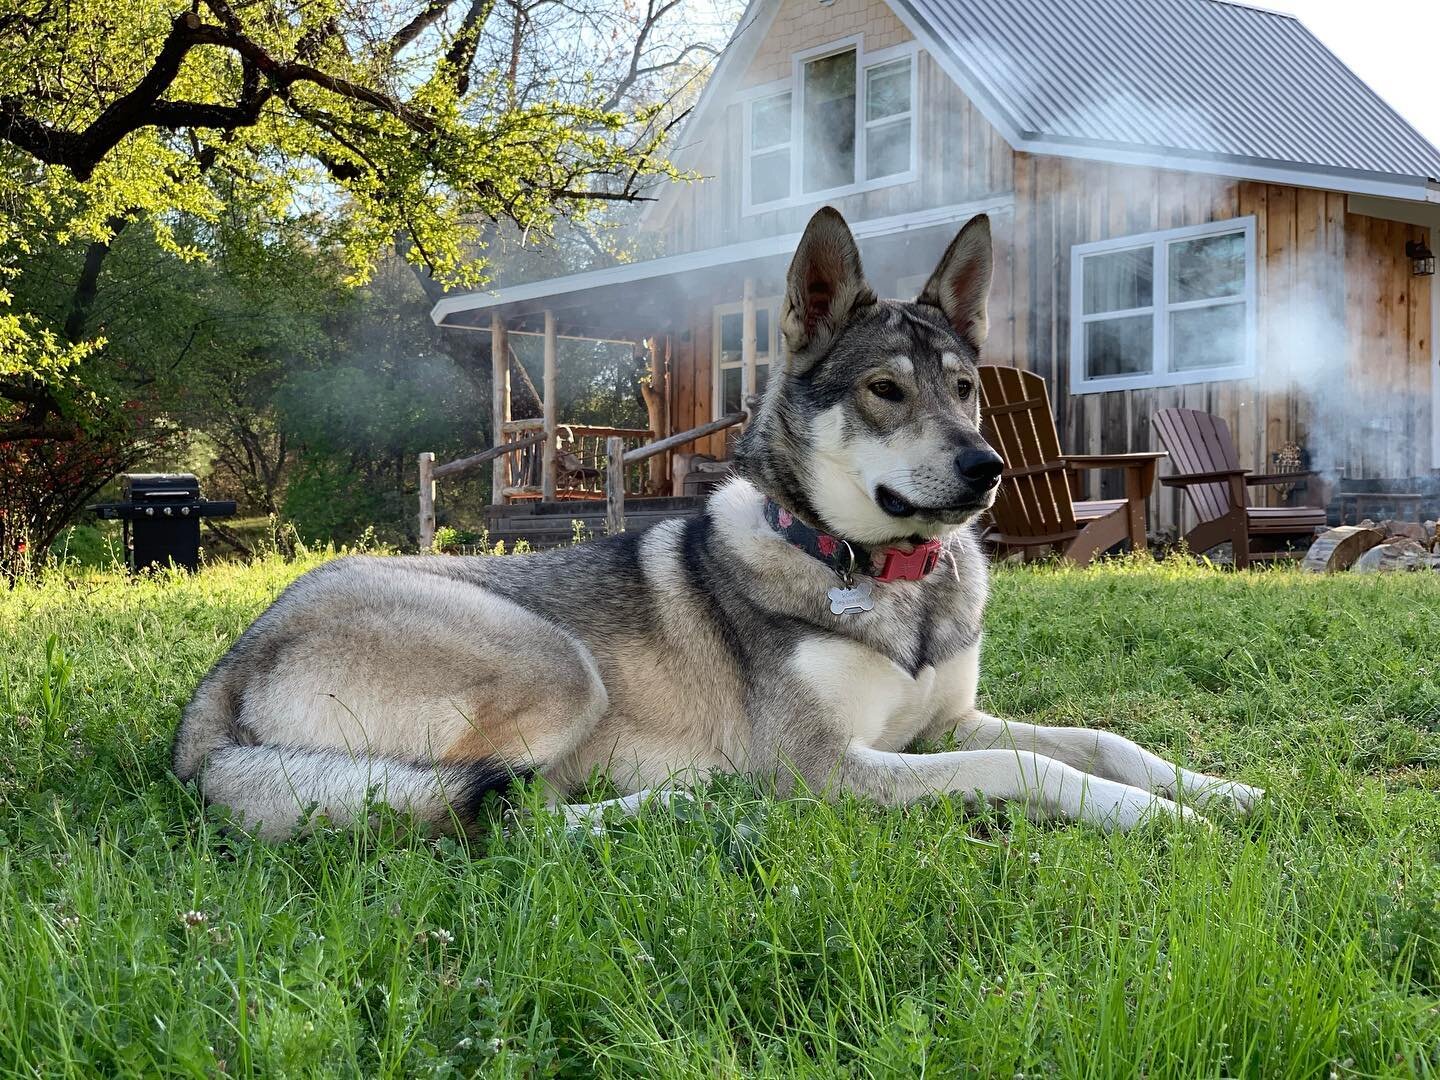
(1392, 47)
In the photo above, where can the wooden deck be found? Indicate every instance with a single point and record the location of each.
(551, 524)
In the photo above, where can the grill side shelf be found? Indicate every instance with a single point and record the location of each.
(151, 511)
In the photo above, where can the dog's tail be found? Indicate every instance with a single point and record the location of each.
(272, 788)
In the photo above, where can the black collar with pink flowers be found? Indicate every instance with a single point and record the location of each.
(847, 558)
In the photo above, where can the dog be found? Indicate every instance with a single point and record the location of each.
(820, 618)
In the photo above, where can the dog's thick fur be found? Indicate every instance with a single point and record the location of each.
(702, 644)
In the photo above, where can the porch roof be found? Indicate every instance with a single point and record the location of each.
(642, 297)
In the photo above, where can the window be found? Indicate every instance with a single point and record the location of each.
(844, 122)
(1164, 308)
(729, 391)
(770, 148)
(887, 119)
(828, 122)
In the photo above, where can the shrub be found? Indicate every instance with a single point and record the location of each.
(327, 502)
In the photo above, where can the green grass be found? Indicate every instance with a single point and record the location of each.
(746, 937)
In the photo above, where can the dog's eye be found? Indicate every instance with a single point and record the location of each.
(884, 388)
(965, 387)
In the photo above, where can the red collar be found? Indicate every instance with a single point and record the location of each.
(846, 557)
(898, 565)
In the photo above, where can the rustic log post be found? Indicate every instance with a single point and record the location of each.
(657, 400)
(547, 457)
(667, 367)
(427, 501)
(661, 363)
(614, 485)
(747, 345)
(499, 402)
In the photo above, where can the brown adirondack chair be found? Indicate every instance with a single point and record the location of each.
(1203, 452)
(1035, 509)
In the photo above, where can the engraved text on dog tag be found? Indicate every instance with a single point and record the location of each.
(852, 600)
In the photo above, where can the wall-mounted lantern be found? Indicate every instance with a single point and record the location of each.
(1422, 259)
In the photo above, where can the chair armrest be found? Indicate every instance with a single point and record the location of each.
(1112, 461)
(1186, 479)
(1296, 477)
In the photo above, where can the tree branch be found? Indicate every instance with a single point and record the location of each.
(264, 75)
(426, 18)
(87, 287)
(637, 52)
(461, 54)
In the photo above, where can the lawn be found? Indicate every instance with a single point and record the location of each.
(744, 937)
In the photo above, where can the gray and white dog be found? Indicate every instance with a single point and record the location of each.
(818, 619)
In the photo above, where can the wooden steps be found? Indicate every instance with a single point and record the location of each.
(551, 524)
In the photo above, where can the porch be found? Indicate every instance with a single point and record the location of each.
(546, 473)
(704, 323)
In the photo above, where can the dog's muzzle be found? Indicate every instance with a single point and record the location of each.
(970, 491)
(980, 467)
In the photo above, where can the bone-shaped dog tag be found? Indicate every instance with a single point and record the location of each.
(852, 600)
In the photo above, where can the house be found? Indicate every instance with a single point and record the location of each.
(1194, 202)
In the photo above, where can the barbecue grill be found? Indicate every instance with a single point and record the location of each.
(161, 514)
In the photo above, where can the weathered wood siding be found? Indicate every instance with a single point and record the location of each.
(1386, 380)
(1343, 350)
(962, 157)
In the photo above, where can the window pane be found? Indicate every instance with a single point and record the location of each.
(732, 327)
(1207, 268)
(762, 377)
(769, 176)
(1208, 337)
(830, 122)
(770, 122)
(887, 149)
(1120, 347)
(887, 90)
(1119, 280)
(730, 390)
(730, 333)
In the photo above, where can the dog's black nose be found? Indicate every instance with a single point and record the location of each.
(982, 467)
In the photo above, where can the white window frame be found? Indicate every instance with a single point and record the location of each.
(770, 352)
(755, 97)
(795, 87)
(864, 65)
(1160, 309)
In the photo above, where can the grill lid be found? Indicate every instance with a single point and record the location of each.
(148, 487)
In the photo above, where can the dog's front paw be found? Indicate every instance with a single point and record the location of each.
(1212, 791)
(1129, 808)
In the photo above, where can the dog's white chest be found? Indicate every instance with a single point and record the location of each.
(878, 702)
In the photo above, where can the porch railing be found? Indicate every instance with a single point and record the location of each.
(621, 461)
(430, 472)
(579, 460)
(591, 462)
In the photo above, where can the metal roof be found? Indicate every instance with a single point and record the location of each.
(565, 289)
(1205, 79)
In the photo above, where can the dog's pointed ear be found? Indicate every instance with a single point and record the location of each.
(960, 285)
(825, 285)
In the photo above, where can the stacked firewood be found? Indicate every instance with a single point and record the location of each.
(1376, 546)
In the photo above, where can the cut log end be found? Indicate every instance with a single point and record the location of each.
(1335, 550)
